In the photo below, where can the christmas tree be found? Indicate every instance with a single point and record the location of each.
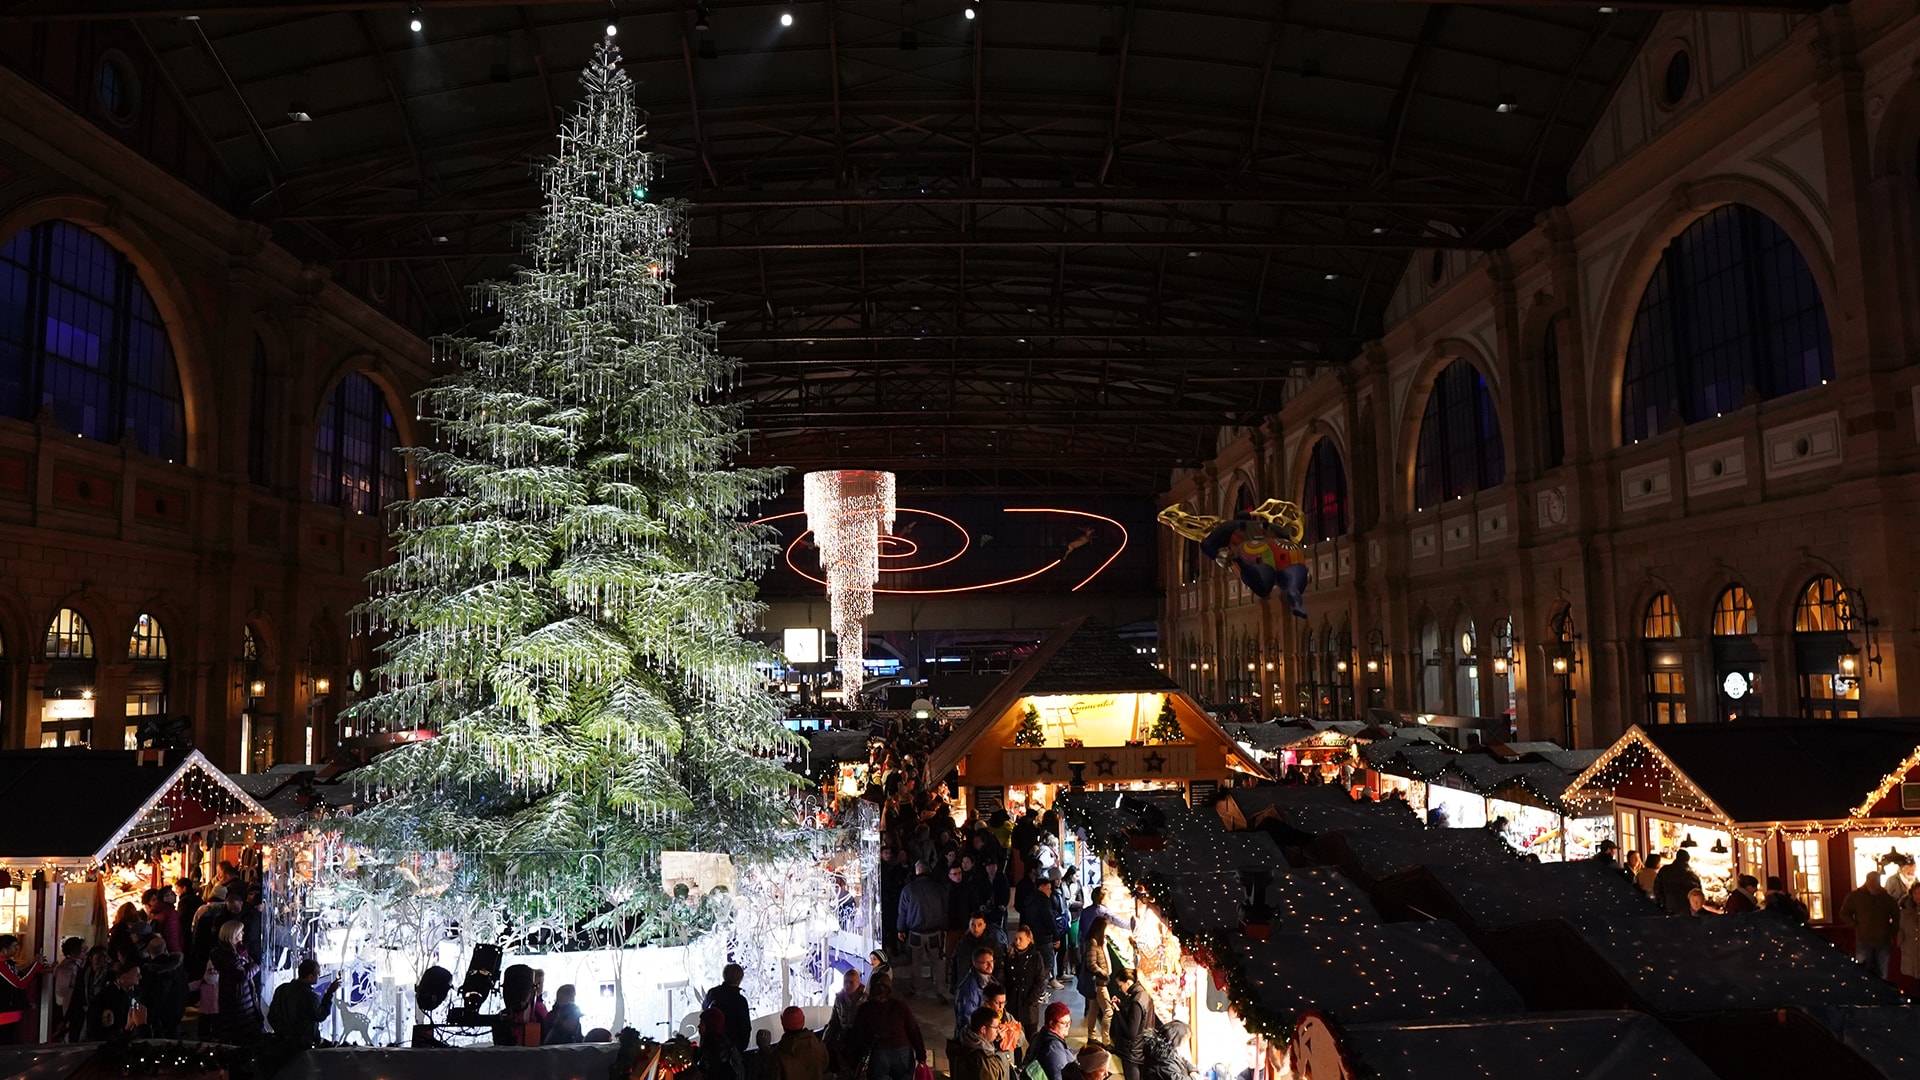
(1166, 726)
(1030, 733)
(566, 609)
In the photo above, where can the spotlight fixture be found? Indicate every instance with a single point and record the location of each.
(703, 18)
(414, 22)
(786, 18)
(297, 112)
(970, 13)
(1505, 107)
(612, 29)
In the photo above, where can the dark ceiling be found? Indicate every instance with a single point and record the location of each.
(1055, 247)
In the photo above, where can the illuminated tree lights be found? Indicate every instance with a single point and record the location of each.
(847, 511)
(566, 610)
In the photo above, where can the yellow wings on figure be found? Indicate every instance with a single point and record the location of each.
(1279, 513)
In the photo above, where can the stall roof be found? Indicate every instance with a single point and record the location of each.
(1681, 966)
(1362, 974)
(1081, 657)
(1319, 896)
(1777, 770)
(1246, 807)
(48, 1061)
(1567, 1046)
(118, 793)
(1374, 852)
(1493, 896)
(1489, 775)
(1415, 760)
(281, 791)
(1199, 849)
(1887, 1036)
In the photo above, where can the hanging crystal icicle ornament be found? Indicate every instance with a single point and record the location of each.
(848, 511)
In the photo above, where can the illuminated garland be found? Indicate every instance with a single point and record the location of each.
(1633, 750)
(1887, 783)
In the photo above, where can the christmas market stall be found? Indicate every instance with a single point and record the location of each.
(1086, 710)
(1319, 749)
(94, 829)
(1818, 805)
(1403, 764)
(1370, 854)
(1586, 1045)
(1177, 882)
(1742, 991)
(1520, 789)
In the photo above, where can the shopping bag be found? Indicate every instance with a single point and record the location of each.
(921, 1071)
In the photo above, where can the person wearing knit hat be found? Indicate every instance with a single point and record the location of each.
(800, 1055)
(1092, 1063)
(1049, 1045)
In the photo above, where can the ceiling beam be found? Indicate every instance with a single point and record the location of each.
(1347, 198)
(1251, 241)
(52, 10)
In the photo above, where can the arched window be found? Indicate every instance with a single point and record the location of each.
(66, 705)
(79, 333)
(1666, 666)
(259, 419)
(1460, 451)
(69, 637)
(1325, 496)
(1553, 434)
(1731, 316)
(355, 461)
(1428, 660)
(149, 641)
(1827, 659)
(147, 682)
(1340, 672)
(1466, 679)
(1736, 655)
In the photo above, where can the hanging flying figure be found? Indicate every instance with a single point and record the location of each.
(1078, 542)
(1263, 544)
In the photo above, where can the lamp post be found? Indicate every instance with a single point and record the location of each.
(1376, 667)
(1563, 659)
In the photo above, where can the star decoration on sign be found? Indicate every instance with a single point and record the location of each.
(1043, 765)
(1105, 763)
(1155, 762)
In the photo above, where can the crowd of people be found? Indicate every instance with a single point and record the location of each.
(1884, 915)
(173, 954)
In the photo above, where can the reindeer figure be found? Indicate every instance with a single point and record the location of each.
(350, 1023)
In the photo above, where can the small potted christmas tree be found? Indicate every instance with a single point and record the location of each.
(1030, 733)
(1166, 726)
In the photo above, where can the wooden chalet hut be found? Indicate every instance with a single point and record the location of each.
(1083, 711)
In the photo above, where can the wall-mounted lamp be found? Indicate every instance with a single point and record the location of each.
(257, 688)
(322, 686)
(1500, 665)
(1340, 666)
(1251, 666)
(1373, 666)
(1560, 665)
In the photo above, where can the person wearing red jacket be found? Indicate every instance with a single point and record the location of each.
(16, 990)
